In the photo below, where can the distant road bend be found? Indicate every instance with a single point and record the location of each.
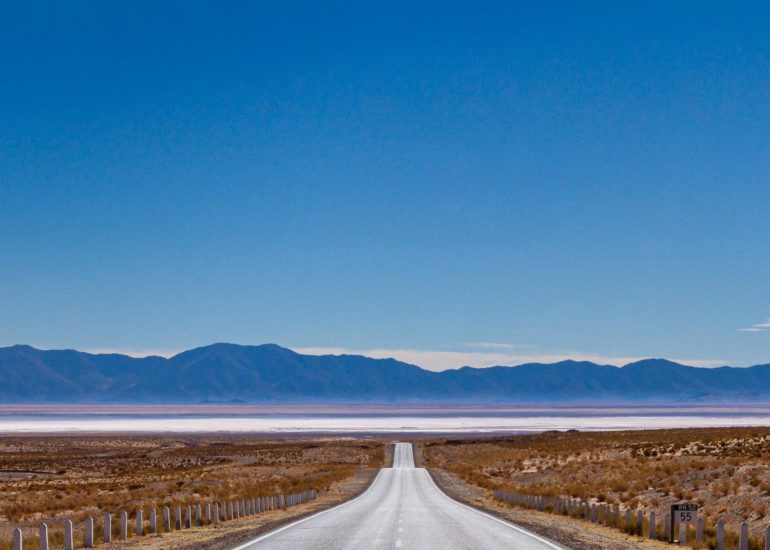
(402, 508)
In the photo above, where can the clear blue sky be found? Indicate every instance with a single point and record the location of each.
(566, 178)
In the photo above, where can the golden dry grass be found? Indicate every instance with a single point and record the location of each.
(726, 471)
(53, 478)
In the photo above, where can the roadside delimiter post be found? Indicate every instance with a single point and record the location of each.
(18, 539)
(43, 536)
(107, 527)
(139, 523)
(166, 519)
(720, 535)
(123, 526)
(89, 537)
(68, 542)
(744, 540)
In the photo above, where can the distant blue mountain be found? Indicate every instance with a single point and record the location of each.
(270, 373)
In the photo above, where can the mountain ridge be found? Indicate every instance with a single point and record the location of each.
(271, 373)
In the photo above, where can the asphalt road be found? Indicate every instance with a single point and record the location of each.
(403, 508)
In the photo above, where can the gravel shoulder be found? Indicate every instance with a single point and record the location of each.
(570, 532)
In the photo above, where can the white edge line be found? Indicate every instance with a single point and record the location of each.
(322, 512)
(490, 516)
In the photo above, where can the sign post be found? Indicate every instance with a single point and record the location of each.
(682, 513)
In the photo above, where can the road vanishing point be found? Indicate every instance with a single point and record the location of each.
(403, 508)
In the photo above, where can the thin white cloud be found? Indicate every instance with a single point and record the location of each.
(444, 360)
(759, 327)
(491, 345)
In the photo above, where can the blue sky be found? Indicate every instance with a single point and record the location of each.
(445, 182)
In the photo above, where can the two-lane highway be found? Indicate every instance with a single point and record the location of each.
(403, 508)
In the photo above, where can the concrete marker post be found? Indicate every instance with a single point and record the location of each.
(43, 536)
(123, 526)
(208, 512)
(720, 535)
(640, 523)
(107, 528)
(667, 527)
(153, 521)
(743, 543)
(18, 539)
(89, 536)
(216, 513)
(683, 533)
(197, 515)
(188, 516)
(139, 523)
(166, 519)
(653, 534)
(178, 518)
(699, 531)
(69, 543)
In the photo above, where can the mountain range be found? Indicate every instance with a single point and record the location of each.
(270, 373)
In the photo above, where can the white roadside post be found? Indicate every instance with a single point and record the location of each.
(123, 526)
(216, 513)
(640, 523)
(18, 539)
(699, 531)
(682, 533)
(68, 542)
(653, 534)
(89, 538)
(744, 540)
(43, 536)
(153, 521)
(720, 535)
(178, 518)
(107, 528)
(188, 516)
(139, 523)
(166, 519)
(208, 512)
